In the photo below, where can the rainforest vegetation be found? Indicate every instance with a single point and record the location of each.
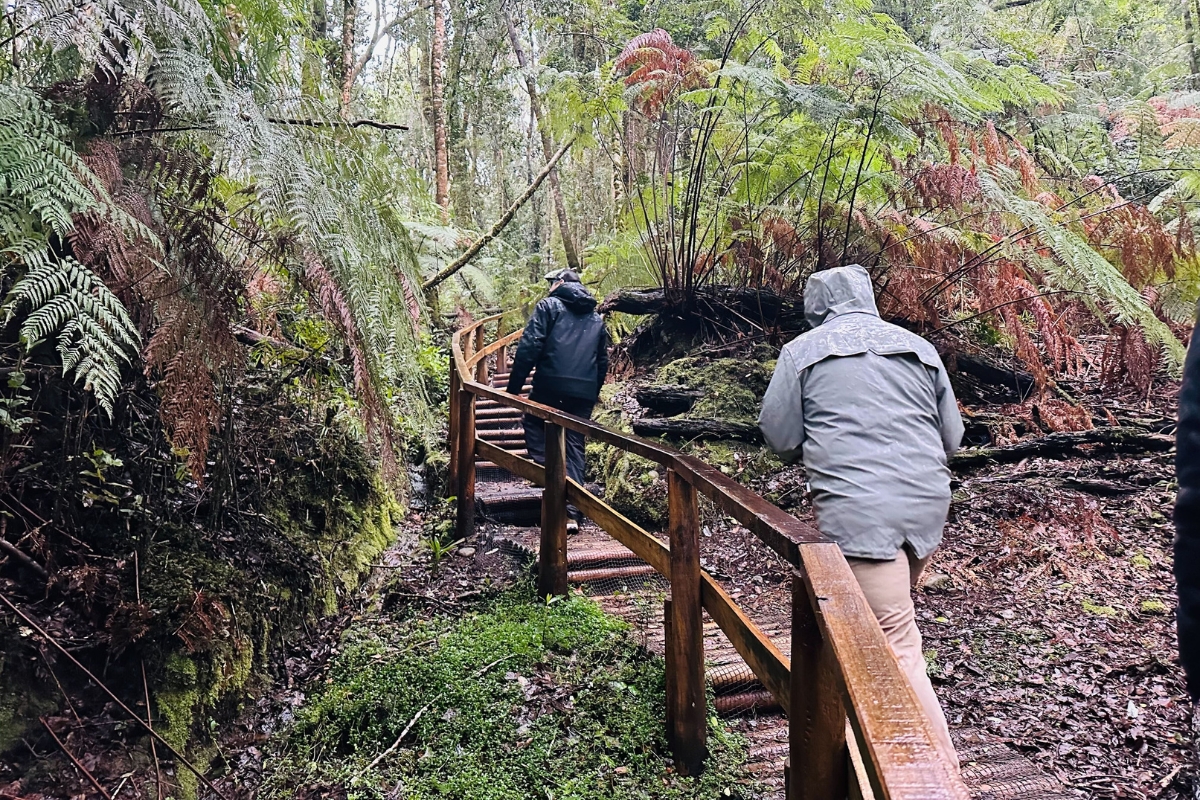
(235, 239)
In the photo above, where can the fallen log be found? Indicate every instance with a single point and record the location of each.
(1059, 445)
(692, 429)
(667, 399)
(759, 306)
(992, 374)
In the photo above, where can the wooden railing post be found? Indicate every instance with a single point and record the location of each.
(452, 402)
(686, 704)
(552, 555)
(465, 490)
(481, 370)
(817, 718)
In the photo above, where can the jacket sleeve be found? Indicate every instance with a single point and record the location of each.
(529, 351)
(602, 356)
(782, 416)
(1187, 517)
(949, 420)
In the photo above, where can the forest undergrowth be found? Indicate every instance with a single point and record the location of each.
(447, 677)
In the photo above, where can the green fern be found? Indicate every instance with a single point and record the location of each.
(92, 329)
(44, 185)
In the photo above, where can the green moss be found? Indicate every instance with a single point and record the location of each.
(746, 462)
(1098, 610)
(1153, 606)
(178, 699)
(733, 387)
(521, 700)
(635, 487)
(1140, 561)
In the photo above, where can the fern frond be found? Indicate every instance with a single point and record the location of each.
(1077, 267)
(93, 330)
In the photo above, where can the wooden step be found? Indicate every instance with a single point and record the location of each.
(640, 571)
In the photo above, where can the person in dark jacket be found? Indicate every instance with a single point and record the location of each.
(565, 344)
(1187, 515)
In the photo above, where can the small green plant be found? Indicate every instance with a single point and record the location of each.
(437, 530)
(12, 407)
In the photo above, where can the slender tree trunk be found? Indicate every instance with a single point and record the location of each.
(320, 19)
(349, 24)
(441, 161)
(535, 105)
(1189, 27)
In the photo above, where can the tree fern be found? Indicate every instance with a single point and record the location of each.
(328, 190)
(1077, 267)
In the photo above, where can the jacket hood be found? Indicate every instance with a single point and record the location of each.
(841, 290)
(576, 297)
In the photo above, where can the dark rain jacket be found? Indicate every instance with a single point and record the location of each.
(566, 342)
(868, 407)
(1187, 515)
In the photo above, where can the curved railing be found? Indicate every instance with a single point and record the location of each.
(841, 668)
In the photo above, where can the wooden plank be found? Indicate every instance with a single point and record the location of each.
(685, 681)
(645, 546)
(499, 347)
(521, 467)
(552, 555)
(899, 746)
(465, 489)
(769, 665)
(460, 351)
(778, 529)
(816, 717)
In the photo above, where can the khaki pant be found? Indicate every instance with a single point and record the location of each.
(888, 589)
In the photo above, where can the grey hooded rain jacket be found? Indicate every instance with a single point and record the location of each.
(868, 408)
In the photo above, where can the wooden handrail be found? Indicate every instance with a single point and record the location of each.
(843, 654)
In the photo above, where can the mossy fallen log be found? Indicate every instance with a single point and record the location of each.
(1061, 445)
(693, 429)
(667, 399)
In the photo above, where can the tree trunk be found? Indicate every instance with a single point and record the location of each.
(535, 105)
(441, 162)
(1189, 27)
(320, 19)
(349, 24)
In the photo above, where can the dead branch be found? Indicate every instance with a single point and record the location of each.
(79, 766)
(501, 223)
(1059, 445)
(348, 123)
(18, 553)
(399, 739)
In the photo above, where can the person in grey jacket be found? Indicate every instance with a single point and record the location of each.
(869, 409)
(566, 342)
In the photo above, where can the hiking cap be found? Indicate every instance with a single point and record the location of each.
(564, 275)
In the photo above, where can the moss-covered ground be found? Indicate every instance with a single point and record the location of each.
(516, 700)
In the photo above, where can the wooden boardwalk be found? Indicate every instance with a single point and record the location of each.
(627, 587)
(729, 605)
